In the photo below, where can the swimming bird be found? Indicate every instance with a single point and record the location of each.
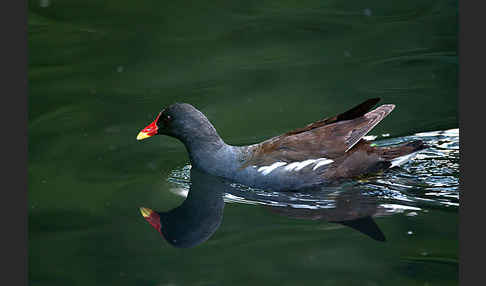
(322, 153)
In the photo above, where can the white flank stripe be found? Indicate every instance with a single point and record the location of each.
(304, 163)
(267, 169)
(291, 166)
(297, 166)
(322, 162)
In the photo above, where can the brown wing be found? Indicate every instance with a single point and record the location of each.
(328, 138)
(354, 112)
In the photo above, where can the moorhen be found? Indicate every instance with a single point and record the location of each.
(321, 153)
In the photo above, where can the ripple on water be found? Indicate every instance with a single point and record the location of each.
(430, 180)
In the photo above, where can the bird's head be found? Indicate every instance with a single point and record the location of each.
(182, 121)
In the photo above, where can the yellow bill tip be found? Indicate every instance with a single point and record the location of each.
(146, 212)
(142, 135)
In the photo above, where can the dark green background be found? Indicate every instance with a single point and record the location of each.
(99, 71)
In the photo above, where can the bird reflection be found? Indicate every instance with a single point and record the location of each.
(352, 209)
(197, 218)
(201, 213)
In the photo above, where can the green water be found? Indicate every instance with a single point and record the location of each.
(99, 71)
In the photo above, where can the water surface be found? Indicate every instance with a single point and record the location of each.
(99, 71)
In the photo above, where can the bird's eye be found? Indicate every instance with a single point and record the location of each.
(167, 119)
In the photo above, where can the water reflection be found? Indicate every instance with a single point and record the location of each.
(201, 213)
(199, 216)
(351, 207)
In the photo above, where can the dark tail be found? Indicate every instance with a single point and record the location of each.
(356, 111)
